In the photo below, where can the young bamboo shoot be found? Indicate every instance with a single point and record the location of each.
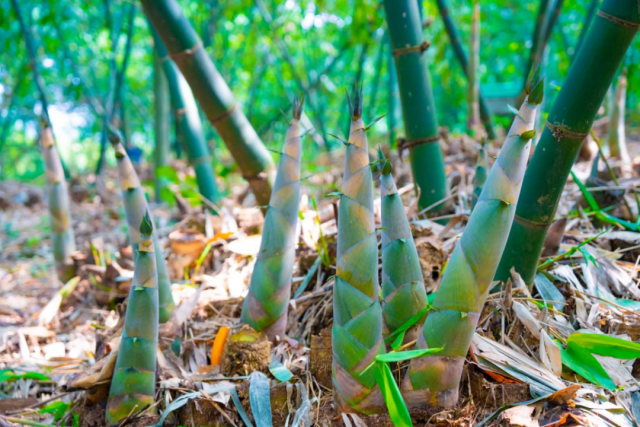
(135, 206)
(265, 307)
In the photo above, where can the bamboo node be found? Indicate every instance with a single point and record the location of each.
(531, 224)
(561, 131)
(406, 144)
(224, 115)
(618, 21)
(410, 49)
(185, 53)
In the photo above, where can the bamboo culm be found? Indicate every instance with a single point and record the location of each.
(134, 377)
(186, 113)
(215, 97)
(418, 108)
(465, 284)
(265, 307)
(569, 122)
(456, 44)
(62, 237)
(135, 207)
(357, 315)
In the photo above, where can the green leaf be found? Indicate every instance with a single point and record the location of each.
(398, 411)
(408, 324)
(604, 345)
(58, 409)
(528, 135)
(168, 173)
(584, 364)
(401, 356)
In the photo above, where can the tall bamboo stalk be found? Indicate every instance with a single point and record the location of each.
(134, 378)
(265, 307)
(135, 207)
(456, 44)
(186, 113)
(617, 138)
(434, 380)
(403, 291)
(418, 107)
(62, 237)
(591, 12)
(161, 123)
(215, 97)
(473, 90)
(567, 125)
(357, 316)
(480, 176)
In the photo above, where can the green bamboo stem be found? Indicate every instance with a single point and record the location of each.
(403, 291)
(591, 12)
(392, 86)
(473, 90)
(215, 97)
(357, 315)
(186, 113)
(62, 237)
(418, 107)
(134, 378)
(265, 307)
(456, 44)
(568, 123)
(161, 123)
(135, 207)
(434, 380)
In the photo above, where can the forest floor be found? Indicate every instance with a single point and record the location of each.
(57, 359)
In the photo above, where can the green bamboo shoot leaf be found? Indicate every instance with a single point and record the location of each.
(335, 194)
(605, 345)
(400, 356)
(584, 364)
(398, 411)
(58, 409)
(409, 323)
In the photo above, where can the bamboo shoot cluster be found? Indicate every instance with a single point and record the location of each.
(135, 207)
(265, 307)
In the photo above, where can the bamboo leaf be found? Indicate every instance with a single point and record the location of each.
(401, 356)
(408, 324)
(605, 345)
(584, 364)
(398, 411)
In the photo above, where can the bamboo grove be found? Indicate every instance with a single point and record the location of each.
(380, 304)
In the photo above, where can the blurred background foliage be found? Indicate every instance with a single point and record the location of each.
(265, 64)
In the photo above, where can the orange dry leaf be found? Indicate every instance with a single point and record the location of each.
(218, 345)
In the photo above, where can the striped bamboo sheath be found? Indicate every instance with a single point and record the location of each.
(450, 324)
(480, 176)
(403, 292)
(62, 238)
(357, 315)
(135, 206)
(134, 378)
(265, 307)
